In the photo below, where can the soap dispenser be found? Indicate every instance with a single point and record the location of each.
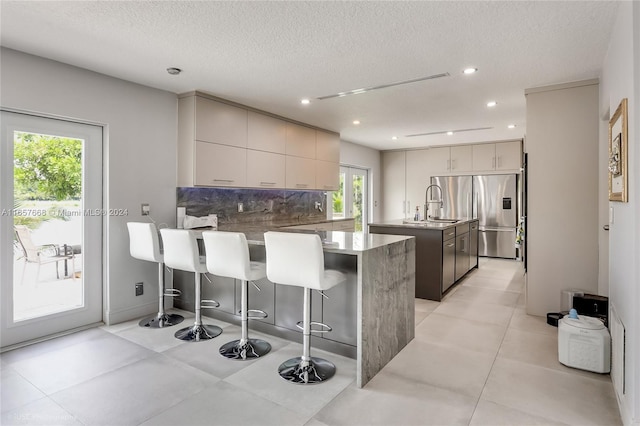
(416, 217)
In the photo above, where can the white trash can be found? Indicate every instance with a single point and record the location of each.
(584, 342)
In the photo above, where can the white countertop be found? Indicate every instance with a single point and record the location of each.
(334, 241)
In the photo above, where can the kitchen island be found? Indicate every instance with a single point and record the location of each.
(372, 313)
(445, 251)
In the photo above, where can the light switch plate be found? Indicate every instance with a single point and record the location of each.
(240, 207)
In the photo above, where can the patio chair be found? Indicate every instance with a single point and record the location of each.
(43, 254)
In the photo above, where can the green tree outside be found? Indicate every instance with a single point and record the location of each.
(46, 170)
(47, 167)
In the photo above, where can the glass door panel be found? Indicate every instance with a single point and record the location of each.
(51, 252)
(350, 201)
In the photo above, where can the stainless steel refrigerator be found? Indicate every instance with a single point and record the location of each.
(457, 196)
(492, 199)
(495, 202)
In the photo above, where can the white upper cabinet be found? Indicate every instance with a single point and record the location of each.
(439, 161)
(500, 156)
(265, 169)
(226, 145)
(484, 157)
(220, 123)
(461, 158)
(266, 133)
(300, 173)
(509, 155)
(327, 175)
(301, 141)
(327, 146)
(220, 165)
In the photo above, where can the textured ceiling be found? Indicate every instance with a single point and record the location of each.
(269, 55)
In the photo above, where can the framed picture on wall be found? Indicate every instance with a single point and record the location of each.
(618, 173)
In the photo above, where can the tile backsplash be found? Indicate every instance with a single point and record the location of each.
(273, 206)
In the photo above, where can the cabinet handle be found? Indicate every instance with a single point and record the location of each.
(224, 180)
(301, 185)
(500, 161)
(453, 164)
(450, 245)
(267, 183)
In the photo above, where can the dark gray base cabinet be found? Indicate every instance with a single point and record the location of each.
(282, 303)
(443, 256)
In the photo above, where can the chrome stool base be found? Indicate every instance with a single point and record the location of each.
(318, 371)
(161, 321)
(196, 333)
(254, 348)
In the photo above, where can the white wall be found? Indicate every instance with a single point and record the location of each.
(140, 157)
(352, 154)
(562, 229)
(621, 79)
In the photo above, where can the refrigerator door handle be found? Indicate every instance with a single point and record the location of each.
(493, 229)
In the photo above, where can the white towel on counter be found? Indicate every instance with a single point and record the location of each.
(210, 221)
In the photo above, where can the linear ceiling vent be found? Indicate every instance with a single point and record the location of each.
(382, 86)
(444, 132)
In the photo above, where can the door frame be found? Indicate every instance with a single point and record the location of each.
(19, 333)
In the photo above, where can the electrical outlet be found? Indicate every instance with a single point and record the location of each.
(240, 207)
(145, 209)
(139, 289)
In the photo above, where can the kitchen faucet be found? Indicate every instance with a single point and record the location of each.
(427, 201)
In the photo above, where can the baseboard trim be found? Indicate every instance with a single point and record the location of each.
(121, 315)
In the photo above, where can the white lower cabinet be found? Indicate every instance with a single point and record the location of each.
(265, 169)
(300, 173)
(219, 165)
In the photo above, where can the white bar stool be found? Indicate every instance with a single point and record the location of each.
(228, 256)
(144, 244)
(298, 260)
(181, 252)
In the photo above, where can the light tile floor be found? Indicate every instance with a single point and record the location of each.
(477, 359)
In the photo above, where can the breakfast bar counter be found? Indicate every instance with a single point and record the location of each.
(371, 314)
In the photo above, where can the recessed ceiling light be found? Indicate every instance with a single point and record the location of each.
(470, 70)
(511, 126)
(305, 101)
(449, 133)
(174, 71)
(394, 138)
(356, 122)
(492, 104)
